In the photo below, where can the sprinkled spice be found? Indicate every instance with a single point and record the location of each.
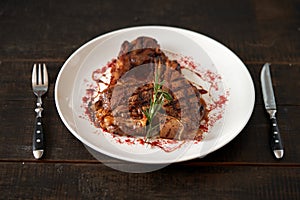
(168, 145)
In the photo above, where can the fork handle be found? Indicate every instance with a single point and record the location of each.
(38, 138)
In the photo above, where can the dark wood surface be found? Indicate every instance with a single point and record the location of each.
(258, 31)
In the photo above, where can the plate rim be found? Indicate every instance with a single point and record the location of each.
(195, 34)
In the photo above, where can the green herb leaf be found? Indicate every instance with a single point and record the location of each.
(167, 96)
(156, 103)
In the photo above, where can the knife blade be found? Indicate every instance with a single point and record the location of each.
(270, 106)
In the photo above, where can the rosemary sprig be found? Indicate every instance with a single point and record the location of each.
(158, 98)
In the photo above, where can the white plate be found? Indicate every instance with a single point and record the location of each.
(235, 82)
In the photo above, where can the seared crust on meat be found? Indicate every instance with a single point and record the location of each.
(121, 106)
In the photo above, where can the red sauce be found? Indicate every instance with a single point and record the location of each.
(202, 91)
(128, 141)
(85, 99)
(167, 145)
(222, 100)
(141, 141)
(188, 61)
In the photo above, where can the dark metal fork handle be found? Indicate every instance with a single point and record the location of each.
(39, 81)
(38, 135)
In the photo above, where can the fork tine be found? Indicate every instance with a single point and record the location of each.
(45, 74)
(34, 75)
(40, 78)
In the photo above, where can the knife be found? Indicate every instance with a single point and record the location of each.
(270, 105)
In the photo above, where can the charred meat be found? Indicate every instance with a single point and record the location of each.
(120, 108)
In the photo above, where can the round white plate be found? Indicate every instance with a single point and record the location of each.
(236, 83)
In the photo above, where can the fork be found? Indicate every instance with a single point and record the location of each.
(39, 87)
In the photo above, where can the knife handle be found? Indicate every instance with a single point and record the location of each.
(38, 138)
(276, 142)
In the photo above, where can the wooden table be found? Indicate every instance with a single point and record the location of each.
(258, 31)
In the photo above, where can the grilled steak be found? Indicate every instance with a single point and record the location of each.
(121, 107)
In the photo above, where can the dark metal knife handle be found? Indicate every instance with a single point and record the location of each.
(38, 138)
(276, 142)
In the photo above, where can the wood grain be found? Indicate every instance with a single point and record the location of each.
(59, 139)
(96, 181)
(53, 30)
(258, 31)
